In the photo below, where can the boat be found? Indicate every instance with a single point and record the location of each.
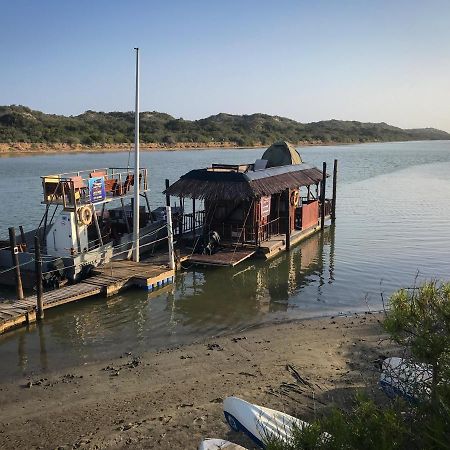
(255, 209)
(407, 379)
(259, 423)
(216, 444)
(91, 217)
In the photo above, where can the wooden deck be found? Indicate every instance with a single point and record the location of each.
(107, 281)
(224, 257)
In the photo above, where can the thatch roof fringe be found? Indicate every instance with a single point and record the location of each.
(203, 184)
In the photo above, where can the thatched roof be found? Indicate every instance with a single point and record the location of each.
(281, 153)
(237, 185)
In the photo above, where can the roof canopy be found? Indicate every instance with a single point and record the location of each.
(210, 184)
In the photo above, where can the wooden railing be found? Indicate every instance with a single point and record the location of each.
(189, 223)
(269, 229)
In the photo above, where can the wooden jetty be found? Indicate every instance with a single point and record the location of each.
(107, 281)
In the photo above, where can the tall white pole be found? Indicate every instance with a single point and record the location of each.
(136, 167)
(170, 237)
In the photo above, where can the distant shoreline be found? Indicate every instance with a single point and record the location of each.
(27, 149)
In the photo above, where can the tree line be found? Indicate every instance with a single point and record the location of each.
(21, 124)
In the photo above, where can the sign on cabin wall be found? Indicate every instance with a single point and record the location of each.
(97, 191)
(265, 206)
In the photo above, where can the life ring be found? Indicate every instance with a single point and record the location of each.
(294, 198)
(85, 215)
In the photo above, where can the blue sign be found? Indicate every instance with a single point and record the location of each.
(97, 191)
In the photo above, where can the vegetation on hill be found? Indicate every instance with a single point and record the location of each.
(21, 124)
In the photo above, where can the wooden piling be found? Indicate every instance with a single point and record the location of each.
(39, 287)
(15, 262)
(333, 201)
(322, 195)
(23, 240)
(167, 195)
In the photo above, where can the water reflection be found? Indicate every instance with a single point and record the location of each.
(200, 303)
(256, 288)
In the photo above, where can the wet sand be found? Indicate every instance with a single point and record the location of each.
(172, 399)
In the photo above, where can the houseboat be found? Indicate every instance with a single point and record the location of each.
(256, 209)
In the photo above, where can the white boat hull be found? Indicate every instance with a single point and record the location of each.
(400, 377)
(259, 423)
(216, 444)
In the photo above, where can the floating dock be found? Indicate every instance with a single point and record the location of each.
(107, 281)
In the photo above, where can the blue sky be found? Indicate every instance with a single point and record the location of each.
(308, 60)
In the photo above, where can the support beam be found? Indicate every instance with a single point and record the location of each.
(39, 287)
(288, 219)
(193, 219)
(15, 262)
(322, 196)
(97, 226)
(333, 204)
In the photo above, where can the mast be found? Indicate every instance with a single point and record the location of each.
(136, 167)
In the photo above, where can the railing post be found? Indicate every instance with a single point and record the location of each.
(333, 201)
(15, 262)
(322, 196)
(38, 270)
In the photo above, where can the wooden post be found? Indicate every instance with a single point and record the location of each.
(288, 226)
(15, 262)
(170, 237)
(181, 219)
(193, 219)
(39, 287)
(322, 196)
(333, 202)
(22, 236)
(167, 195)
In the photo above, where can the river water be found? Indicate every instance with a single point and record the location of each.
(393, 215)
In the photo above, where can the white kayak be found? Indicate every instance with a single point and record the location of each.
(400, 377)
(257, 422)
(215, 444)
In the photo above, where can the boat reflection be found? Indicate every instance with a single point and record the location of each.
(259, 287)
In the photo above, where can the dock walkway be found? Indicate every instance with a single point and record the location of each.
(106, 281)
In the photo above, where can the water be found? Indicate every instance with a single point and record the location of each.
(392, 225)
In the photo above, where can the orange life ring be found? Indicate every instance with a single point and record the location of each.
(85, 215)
(294, 198)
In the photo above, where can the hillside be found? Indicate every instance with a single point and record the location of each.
(21, 124)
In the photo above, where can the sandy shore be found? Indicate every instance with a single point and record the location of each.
(27, 149)
(172, 399)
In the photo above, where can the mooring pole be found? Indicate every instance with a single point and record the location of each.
(333, 201)
(136, 167)
(322, 196)
(170, 237)
(167, 195)
(15, 262)
(38, 270)
(288, 225)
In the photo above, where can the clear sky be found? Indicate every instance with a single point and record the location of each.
(367, 60)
